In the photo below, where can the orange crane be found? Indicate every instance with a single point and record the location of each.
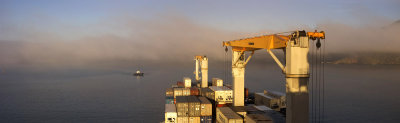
(296, 68)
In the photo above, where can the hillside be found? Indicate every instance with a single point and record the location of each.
(366, 58)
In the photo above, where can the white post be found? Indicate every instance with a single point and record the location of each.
(196, 72)
(238, 67)
(204, 72)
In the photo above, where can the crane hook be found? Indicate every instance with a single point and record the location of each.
(318, 43)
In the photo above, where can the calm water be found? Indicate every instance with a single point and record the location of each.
(354, 93)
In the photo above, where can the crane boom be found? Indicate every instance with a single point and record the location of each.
(260, 42)
(266, 42)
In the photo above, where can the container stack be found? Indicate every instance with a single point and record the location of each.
(239, 110)
(214, 104)
(188, 82)
(169, 100)
(182, 109)
(180, 84)
(194, 109)
(181, 92)
(221, 94)
(258, 118)
(271, 99)
(169, 92)
(207, 92)
(280, 96)
(217, 82)
(205, 110)
(178, 92)
(190, 104)
(276, 117)
(169, 96)
(194, 120)
(182, 106)
(170, 113)
(188, 109)
(227, 115)
(194, 91)
(185, 91)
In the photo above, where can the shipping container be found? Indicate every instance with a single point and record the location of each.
(194, 91)
(178, 92)
(183, 119)
(275, 94)
(188, 82)
(222, 94)
(269, 101)
(182, 106)
(170, 113)
(281, 96)
(226, 115)
(239, 110)
(262, 108)
(246, 93)
(180, 84)
(169, 100)
(252, 110)
(276, 117)
(257, 118)
(217, 82)
(194, 106)
(207, 92)
(206, 119)
(210, 94)
(220, 105)
(206, 107)
(169, 92)
(194, 119)
(181, 92)
(185, 91)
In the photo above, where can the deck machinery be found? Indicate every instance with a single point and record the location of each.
(203, 62)
(296, 69)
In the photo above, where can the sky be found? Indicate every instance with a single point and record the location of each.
(76, 32)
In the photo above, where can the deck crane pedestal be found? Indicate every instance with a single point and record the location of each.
(202, 61)
(296, 69)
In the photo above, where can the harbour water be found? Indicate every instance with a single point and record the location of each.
(354, 93)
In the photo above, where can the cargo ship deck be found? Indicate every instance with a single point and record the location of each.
(188, 103)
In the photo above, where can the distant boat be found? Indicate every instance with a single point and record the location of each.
(138, 73)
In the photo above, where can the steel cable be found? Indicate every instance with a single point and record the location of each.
(315, 83)
(319, 86)
(312, 81)
(323, 82)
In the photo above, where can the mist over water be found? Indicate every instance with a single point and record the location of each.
(354, 93)
(169, 37)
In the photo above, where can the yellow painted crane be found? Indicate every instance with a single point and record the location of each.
(296, 69)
